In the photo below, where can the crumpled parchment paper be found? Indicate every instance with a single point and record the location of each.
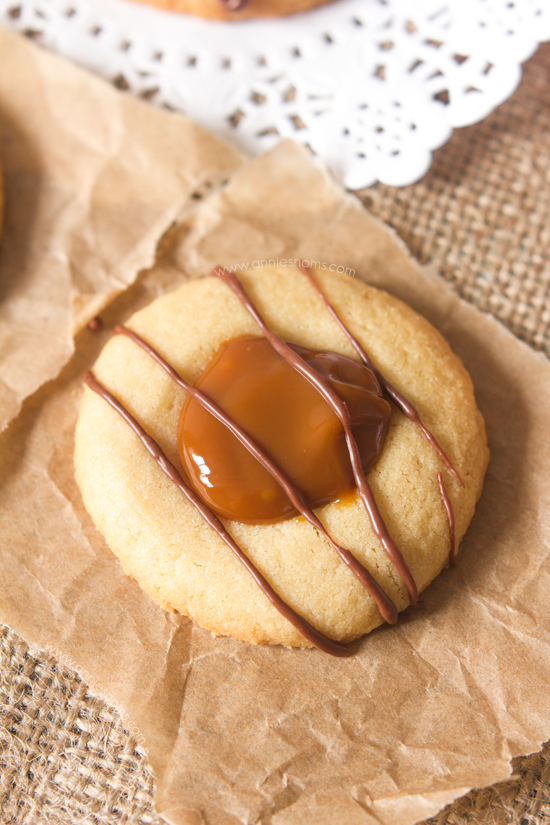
(241, 734)
(93, 177)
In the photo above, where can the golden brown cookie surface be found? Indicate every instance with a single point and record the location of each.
(218, 10)
(164, 543)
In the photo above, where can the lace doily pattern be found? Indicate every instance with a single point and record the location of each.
(372, 86)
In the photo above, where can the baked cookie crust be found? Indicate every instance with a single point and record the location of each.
(163, 542)
(215, 9)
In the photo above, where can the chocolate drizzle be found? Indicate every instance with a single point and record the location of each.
(233, 5)
(386, 607)
(402, 403)
(399, 400)
(95, 324)
(450, 517)
(378, 525)
(302, 626)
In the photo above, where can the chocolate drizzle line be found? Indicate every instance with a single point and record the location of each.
(302, 626)
(399, 400)
(451, 519)
(331, 397)
(387, 609)
(233, 5)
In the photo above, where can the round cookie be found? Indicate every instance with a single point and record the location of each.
(219, 10)
(163, 542)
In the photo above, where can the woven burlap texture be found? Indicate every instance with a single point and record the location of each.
(480, 216)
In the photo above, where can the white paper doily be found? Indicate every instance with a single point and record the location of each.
(372, 86)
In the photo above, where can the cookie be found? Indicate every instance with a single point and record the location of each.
(1, 200)
(162, 540)
(237, 9)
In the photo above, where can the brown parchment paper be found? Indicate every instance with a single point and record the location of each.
(92, 177)
(241, 734)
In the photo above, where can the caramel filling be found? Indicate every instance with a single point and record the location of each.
(288, 418)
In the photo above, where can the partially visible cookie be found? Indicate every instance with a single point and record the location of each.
(164, 543)
(1, 200)
(237, 9)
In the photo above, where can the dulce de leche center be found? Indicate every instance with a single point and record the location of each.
(287, 417)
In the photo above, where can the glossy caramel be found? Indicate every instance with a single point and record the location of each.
(288, 418)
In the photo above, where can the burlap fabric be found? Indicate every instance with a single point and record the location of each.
(481, 216)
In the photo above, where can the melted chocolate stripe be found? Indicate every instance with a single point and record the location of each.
(387, 609)
(378, 525)
(400, 401)
(450, 517)
(302, 626)
(233, 5)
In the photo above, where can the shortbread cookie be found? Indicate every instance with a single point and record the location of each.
(237, 9)
(166, 545)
